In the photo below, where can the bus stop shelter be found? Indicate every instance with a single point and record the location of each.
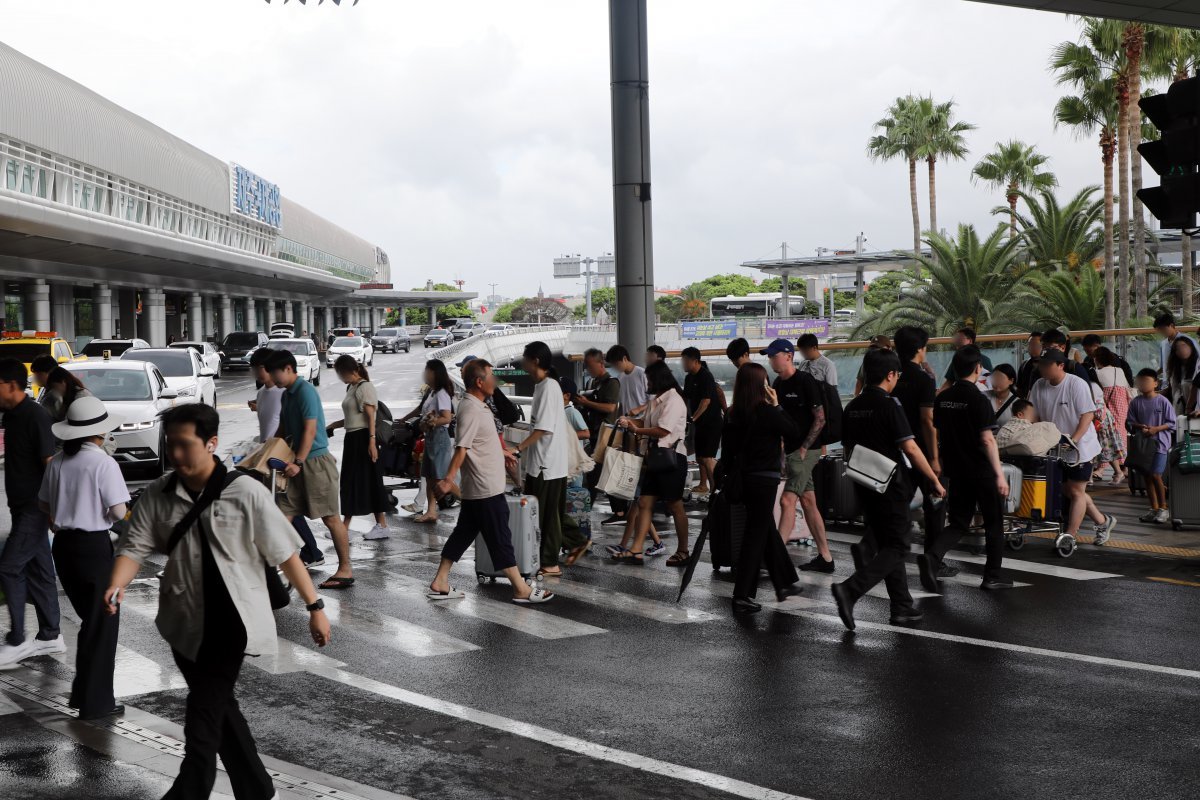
(824, 267)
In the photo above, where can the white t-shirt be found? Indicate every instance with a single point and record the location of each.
(1063, 405)
(437, 401)
(548, 455)
(633, 389)
(270, 401)
(669, 411)
(80, 489)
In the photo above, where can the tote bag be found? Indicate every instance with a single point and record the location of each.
(621, 472)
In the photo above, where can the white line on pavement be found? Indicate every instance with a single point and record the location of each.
(396, 634)
(626, 603)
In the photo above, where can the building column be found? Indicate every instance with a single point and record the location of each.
(37, 305)
(270, 314)
(226, 305)
(195, 318)
(62, 310)
(155, 312)
(288, 312)
(433, 317)
(403, 316)
(102, 308)
(328, 320)
(206, 316)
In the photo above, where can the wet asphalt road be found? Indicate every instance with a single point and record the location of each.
(1081, 682)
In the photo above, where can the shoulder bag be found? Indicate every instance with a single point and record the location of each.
(868, 468)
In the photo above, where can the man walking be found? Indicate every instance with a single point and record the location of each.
(1164, 325)
(601, 398)
(706, 412)
(479, 457)
(964, 337)
(966, 426)
(214, 608)
(814, 363)
(801, 398)
(26, 564)
(312, 490)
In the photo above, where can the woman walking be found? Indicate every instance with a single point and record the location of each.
(751, 455)
(84, 494)
(1117, 394)
(67, 388)
(436, 411)
(362, 482)
(666, 426)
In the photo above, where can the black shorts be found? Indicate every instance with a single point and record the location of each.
(1080, 472)
(666, 486)
(707, 438)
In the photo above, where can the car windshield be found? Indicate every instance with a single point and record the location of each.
(197, 346)
(387, 332)
(241, 341)
(23, 352)
(295, 348)
(171, 364)
(113, 385)
(347, 341)
(96, 347)
(343, 331)
(437, 332)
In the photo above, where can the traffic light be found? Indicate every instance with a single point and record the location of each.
(1176, 156)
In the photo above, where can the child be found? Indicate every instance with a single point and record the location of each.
(1151, 414)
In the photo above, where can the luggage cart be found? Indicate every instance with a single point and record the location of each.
(1040, 508)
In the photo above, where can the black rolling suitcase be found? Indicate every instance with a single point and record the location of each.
(726, 526)
(836, 497)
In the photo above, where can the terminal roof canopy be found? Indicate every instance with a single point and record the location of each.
(820, 266)
(1181, 13)
(418, 299)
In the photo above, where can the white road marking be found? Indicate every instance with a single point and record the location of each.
(559, 740)
(396, 634)
(627, 603)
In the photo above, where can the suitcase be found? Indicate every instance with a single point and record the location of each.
(1012, 474)
(1183, 505)
(579, 508)
(526, 539)
(726, 527)
(836, 496)
(1041, 489)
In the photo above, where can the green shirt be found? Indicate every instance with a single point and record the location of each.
(300, 403)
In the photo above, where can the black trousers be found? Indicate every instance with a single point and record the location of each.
(214, 724)
(888, 535)
(27, 573)
(84, 562)
(966, 493)
(933, 510)
(761, 543)
(487, 517)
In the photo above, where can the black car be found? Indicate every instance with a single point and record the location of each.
(438, 337)
(391, 340)
(238, 346)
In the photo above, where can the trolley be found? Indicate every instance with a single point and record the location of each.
(1040, 508)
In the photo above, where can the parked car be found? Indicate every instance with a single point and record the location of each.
(25, 346)
(283, 330)
(238, 346)
(308, 361)
(356, 346)
(499, 329)
(137, 391)
(391, 340)
(336, 332)
(209, 354)
(465, 330)
(115, 347)
(438, 337)
(185, 372)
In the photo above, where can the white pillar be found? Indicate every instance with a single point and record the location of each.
(206, 316)
(37, 305)
(270, 313)
(403, 316)
(155, 313)
(289, 312)
(328, 320)
(195, 330)
(226, 304)
(102, 311)
(62, 310)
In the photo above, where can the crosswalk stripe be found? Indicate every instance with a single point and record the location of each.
(397, 634)
(630, 604)
(134, 673)
(539, 622)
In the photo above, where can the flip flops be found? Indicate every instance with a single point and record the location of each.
(535, 597)
(336, 582)
(453, 594)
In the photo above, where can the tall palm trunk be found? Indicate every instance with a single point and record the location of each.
(1106, 155)
(1123, 309)
(1012, 210)
(1135, 40)
(932, 194)
(916, 210)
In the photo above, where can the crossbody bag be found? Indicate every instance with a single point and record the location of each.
(870, 469)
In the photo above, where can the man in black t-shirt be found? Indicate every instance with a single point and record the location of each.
(875, 421)
(706, 413)
(26, 565)
(801, 398)
(1028, 374)
(916, 390)
(967, 424)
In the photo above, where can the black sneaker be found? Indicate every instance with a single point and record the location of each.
(845, 604)
(996, 583)
(929, 571)
(818, 564)
(946, 571)
(906, 617)
(615, 519)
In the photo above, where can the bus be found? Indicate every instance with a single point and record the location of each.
(755, 304)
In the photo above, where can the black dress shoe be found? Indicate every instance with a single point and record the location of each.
(744, 605)
(818, 564)
(906, 617)
(946, 571)
(115, 711)
(788, 591)
(929, 579)
(996, 583)
(845, 604)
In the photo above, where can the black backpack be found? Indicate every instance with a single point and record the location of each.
(832, 403)
(508, 411)
(384, 431)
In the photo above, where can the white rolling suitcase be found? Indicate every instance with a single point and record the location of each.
(1012, 473)
(526, 540)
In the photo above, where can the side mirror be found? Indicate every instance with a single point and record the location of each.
(169, 394)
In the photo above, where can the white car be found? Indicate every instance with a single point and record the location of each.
(499, 329)
(209, 354)
(185, 372)
(138, 392)
(357, 346)
(308, 360)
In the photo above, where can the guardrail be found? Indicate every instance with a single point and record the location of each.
(501, 348)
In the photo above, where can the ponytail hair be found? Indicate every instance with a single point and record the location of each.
(347, 364)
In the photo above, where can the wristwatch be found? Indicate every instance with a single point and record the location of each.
(317, 606)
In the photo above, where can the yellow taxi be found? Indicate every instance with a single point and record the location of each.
(25, 346)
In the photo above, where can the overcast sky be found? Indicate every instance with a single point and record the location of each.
(471, 139)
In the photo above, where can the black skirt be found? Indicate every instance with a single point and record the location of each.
(361, 481)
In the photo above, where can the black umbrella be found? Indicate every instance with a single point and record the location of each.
(693, 560)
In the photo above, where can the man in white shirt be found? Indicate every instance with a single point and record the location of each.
(1067, 401)
(479, 456)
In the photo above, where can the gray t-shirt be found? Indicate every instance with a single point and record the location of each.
(822, 369)
(633, 389)
(483, 470)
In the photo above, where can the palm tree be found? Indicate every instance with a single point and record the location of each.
(1015, 167)
(964, 281)
(938, 136)
(895, 139)
(1173, 54)
(1094, 110)
(1062, 237)
(1073, 299)
(1134, 42)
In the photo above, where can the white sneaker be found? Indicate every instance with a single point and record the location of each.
(42, 647)
(13, 654)
(377, 532)
(1163, 515)
(1104, 529)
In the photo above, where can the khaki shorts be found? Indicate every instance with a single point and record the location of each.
(800, 471)
(313, 493)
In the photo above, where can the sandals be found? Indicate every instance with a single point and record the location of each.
(632, 559)
(578, 552)
(536, 596)
(616, 550)
(679, 559)
(424, 519)
(453, 594)
(336, 582)
(546, 573)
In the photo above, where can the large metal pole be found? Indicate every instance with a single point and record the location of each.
(785, 309)
(634, 251)
(587, 288)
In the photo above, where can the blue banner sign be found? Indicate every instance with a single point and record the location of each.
(709, 329)
(254, 197)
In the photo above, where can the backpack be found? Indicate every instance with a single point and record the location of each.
(384, 430)
(832, 403)
(508, 411)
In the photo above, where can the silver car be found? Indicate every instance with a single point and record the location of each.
(308, 361)
(138, 392)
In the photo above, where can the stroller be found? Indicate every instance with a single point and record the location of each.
(400, 457)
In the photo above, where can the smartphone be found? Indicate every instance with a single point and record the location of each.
(115, 598)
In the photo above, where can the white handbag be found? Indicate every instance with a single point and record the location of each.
(870, 469)
(619, 477)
